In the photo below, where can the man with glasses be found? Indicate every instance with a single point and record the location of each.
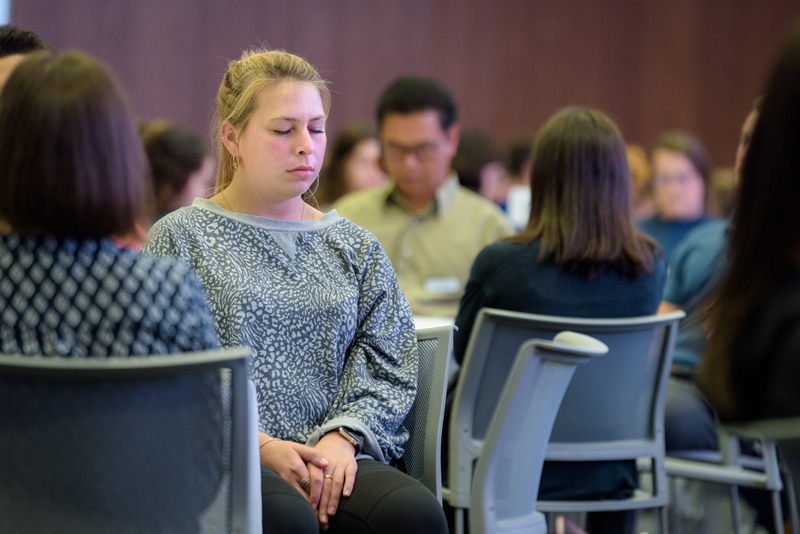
(430, 226)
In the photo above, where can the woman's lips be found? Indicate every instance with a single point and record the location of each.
(303, 171)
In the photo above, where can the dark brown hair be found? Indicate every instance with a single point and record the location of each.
(581, 198)
(765, 240)
(18, 40)
(174, 154)
(332, 184)
(70, 157)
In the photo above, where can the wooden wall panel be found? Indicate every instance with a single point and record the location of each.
(693, 64)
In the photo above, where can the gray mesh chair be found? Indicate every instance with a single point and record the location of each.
(606, 414)
(614, 406)
(424, 421)
(508, 470)
(493, 346)
(780, 434)
(729, 466)
(145, 444)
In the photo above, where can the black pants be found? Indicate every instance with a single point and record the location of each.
(384, 500)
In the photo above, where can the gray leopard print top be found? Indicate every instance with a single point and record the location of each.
(330, 333)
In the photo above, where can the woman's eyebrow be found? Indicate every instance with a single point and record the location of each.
(293, 119)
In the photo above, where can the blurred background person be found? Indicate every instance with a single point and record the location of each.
(641, 181)
(681, 170)
(699, 262)
(514, 194)
(181, 166)
(477, 162)
(15, 44)
(430, 226)
(354, 164)
(722, 192)
(181, 169)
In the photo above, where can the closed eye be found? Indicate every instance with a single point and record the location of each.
(316, 131)
(282, 132)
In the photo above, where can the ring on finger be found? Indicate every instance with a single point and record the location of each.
(306, 482)
(328, 476)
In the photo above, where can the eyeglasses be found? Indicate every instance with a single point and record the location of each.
(683, 179)
(423, 152)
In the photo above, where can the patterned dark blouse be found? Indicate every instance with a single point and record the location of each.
(331, 335)
(62, 297)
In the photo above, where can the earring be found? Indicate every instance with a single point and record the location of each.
(235, 165)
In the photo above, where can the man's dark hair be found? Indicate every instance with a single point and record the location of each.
(17, 40)
(411, 94)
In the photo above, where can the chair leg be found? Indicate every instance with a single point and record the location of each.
(788, 483)
(663, 516)
(736, 512)
(676, 510)
(777, 511)
(550, 517)
(459, 515)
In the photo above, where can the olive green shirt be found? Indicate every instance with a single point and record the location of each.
(431, 251)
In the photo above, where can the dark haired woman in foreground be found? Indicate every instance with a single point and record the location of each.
(581, 255)
(73, 175)
(751, 369)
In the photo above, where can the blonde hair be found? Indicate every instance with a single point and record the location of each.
(240, 87)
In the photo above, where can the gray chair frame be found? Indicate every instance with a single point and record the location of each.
(508, 471)
(730, 467)
(496, 337)
(165, 367)
(644, 341)
(423, 459)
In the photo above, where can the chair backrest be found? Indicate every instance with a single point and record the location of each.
(495, 339)
(507, 474)
(422, 455)
(140, 444)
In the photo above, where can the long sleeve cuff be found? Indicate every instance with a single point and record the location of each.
(371, 446)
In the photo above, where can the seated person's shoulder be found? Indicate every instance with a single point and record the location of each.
(710, 232)
(359, 202)
(478, 202)
(355, 240)
(157, 268)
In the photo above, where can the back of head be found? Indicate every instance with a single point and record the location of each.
(413, 94)
(174, 153)
(765, 244)
(581, 197)
(520, 150)
(240, 87)
(17, 40)
(475, 150)
(70, 156)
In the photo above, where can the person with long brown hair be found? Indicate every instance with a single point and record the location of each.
(581, 255)
(333, 347)
(751, 367)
